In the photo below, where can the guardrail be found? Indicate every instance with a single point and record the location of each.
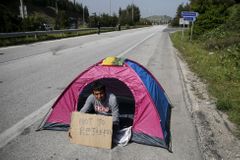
(41, 33)
(14, 38)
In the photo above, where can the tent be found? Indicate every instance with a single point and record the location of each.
(143, 104)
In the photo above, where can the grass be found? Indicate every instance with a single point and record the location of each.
(221, 70)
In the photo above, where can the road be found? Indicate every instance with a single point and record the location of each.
(33, 75)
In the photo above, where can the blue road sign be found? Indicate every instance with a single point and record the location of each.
(190, 19)
(189, 14)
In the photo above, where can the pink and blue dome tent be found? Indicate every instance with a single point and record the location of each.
(143, 104)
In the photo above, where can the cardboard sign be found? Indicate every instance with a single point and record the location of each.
(91, 130)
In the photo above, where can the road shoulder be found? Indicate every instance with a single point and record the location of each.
(215, 131)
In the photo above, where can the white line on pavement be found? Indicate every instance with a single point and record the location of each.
(19, 127)
(134, 46)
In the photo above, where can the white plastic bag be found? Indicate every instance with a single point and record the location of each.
(123, 136)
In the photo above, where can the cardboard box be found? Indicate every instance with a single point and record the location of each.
(91, 130)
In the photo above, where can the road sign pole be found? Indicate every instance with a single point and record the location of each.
(192, 30)
(191, 17)
(183, 25)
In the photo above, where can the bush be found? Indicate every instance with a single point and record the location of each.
(9, 22)
(226, 35)
(222, 43)
(233, 22)
(212, 18)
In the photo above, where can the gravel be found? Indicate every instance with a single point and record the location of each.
(215, 132)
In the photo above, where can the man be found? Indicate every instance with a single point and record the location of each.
(99, 27)
(102, 103)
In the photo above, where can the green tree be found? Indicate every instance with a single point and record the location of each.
(129, 16)
(9, 22)
(61, 20)
(119, 15)
(212, 13)
(79, 8)
(181, 7)
(201, 6)
(86, 14)
(93, 20)
(115, 20)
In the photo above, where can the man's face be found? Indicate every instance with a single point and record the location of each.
(99, 95)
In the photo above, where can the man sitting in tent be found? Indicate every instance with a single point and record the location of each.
(102, 103)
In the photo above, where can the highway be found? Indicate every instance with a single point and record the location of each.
(33, 75)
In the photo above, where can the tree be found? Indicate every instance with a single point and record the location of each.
(114, 20)
(61, 20)
(119, 15)
(79, 8)
(130, 15)
(201, 6)
(181, 7)
(93, 20)
(68, 13)
(212, 13)
(9, 22)
(86, 14)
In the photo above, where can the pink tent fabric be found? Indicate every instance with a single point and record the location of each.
(146, 118)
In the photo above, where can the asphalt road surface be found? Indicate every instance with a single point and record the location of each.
(31, 76)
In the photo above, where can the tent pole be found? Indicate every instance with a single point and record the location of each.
(44, 120)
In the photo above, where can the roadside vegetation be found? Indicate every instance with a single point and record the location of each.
(47, 15)
(214, 52)
(61, 14)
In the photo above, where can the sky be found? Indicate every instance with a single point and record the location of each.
(147, 7)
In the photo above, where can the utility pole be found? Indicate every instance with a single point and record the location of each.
(22, 9)
(83, 14)
(56, 5)
(132, 12)
(110, 8)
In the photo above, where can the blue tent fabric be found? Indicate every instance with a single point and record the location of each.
(157, 95)
(149, 140)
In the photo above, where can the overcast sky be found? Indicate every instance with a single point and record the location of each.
(147, 7)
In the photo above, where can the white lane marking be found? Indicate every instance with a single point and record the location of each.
(12, 47)
(19, 127)
(131, 48)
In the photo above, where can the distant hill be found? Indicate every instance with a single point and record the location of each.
(159, 19)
